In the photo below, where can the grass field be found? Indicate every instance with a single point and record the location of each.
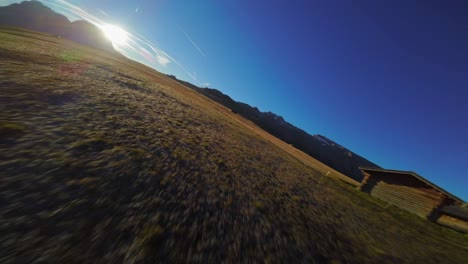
(103, 160)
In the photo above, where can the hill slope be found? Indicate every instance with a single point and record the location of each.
(317, 146)
(104, 160)
(36, 16)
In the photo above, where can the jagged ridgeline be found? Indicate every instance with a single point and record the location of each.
(317, 146)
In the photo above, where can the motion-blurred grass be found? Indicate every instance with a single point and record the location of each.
(103, 160)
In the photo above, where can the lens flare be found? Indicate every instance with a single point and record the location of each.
(115, 34)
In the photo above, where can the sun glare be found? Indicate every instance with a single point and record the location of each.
(115, 34)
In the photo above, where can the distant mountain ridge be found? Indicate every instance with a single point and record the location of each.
(36, 16)
(320, 147)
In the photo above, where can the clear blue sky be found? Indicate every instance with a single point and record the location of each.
(387, 79)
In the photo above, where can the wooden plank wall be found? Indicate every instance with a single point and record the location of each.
(405, 193)
(453, 222)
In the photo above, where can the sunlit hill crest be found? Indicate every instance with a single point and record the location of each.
(36, 16)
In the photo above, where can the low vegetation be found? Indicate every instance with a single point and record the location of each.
(108, 161)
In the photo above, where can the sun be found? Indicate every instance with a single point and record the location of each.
(115, 34)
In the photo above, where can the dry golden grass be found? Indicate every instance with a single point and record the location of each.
(107, 161)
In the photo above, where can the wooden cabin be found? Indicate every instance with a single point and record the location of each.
(411, 192)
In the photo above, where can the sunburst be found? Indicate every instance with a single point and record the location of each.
(115, 34)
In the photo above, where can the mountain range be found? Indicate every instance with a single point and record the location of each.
(319, 147)
(36, 16)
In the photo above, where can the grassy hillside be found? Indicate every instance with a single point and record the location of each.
(103, 160)
(317, 146)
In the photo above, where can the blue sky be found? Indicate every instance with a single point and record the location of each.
(387, 79)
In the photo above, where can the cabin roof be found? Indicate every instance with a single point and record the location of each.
(456, 211)
(415, 175)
